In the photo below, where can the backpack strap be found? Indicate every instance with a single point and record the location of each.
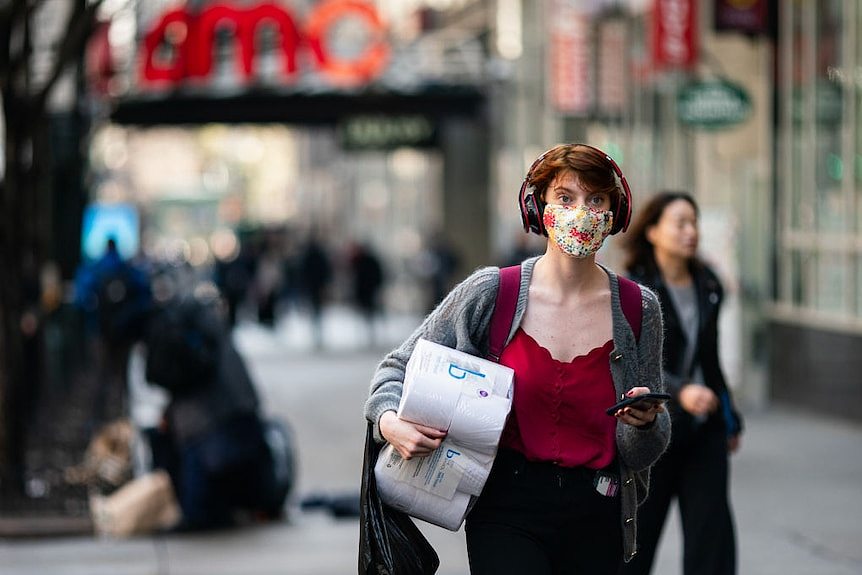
(630, 301)
(504, 311)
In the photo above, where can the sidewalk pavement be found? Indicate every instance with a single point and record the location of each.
(796, 492)
(796, 489)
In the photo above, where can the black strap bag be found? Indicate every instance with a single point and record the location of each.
(389, 541)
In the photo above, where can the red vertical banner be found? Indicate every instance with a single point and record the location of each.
(98, 60)
(612, 77)
(674, 37)
(570, 59)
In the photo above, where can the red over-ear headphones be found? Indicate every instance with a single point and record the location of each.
(532, 208)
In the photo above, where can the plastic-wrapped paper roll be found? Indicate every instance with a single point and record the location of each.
(447, 513)
(449, 469)
(473, 467)
(435, 377)
(429, 399)
(471, 398)
(478, 421)
(438, 473)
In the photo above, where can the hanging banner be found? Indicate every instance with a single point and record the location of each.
(570, 58)
(612, 89)
(747, 16)
(674, 29)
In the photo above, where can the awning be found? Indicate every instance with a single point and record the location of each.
(308, 108)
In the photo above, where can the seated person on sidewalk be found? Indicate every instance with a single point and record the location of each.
(211, 440)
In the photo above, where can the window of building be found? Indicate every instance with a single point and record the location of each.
(819, 232)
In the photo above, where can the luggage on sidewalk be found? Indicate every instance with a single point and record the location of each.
(141, 506)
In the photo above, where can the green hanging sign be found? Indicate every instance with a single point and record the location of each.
(713, 104)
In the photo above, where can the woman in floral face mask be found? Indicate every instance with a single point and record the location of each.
(563, 493)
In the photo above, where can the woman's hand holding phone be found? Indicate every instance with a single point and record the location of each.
(640, 406)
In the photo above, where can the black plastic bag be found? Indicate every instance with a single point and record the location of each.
(389, 542)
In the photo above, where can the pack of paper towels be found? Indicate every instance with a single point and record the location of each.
(469, 397)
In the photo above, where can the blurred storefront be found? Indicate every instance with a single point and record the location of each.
(679, 92)
(392, 120)
(348, 120)
(753, 107)
(816, 320)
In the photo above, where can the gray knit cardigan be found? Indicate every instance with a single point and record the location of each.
(461, 321)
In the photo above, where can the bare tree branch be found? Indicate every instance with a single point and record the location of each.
(10, 10)
(77, 32)
(9, 17)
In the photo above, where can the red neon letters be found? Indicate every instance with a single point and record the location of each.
(192, 36)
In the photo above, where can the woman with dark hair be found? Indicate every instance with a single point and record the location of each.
(563, 493)
(662, 254)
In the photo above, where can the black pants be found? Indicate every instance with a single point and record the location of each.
(230, 468)
(694, 470)
(542, 519)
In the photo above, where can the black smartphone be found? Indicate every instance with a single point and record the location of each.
(645, 397)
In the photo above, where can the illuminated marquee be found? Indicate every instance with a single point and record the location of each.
(192, 36)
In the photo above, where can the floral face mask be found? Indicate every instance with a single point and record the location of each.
(579, 231)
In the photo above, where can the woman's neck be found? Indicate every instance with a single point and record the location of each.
(674, 270)
(566, 275)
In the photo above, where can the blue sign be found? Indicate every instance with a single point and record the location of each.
(105, 221)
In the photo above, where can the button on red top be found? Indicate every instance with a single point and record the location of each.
(558, 408)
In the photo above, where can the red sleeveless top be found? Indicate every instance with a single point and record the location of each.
(558, 408)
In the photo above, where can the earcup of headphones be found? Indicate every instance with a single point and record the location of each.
(622, 211)
(531, 214)
(619, 216)
(536, 211)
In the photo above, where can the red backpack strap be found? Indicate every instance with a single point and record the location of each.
(504, 310)
(630, 301)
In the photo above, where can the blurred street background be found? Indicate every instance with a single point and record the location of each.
(316, 174)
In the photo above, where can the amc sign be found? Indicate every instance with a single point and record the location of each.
(190, 37)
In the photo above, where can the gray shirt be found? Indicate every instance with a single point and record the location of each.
(461, 321)
(684, 299)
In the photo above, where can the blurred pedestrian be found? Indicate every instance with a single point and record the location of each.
(291, 289)
(662, 254)
(232, 273)
(522, 248)
(268, 282)
(211, 439)
(563, 493)
(367, 281)
(116, 300)
(437, 264)
(315, 274)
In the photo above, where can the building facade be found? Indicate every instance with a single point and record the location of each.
(612, 74)
(750, 106)
(816, 318)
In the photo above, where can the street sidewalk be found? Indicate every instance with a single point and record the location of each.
(796, 484)
(796, 492)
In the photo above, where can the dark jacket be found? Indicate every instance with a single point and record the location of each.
(709, 297)
(226, 395)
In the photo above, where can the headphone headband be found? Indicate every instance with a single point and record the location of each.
(532, 208)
